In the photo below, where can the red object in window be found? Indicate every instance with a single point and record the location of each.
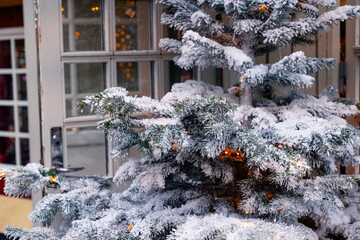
(11, 17)
(2, 185)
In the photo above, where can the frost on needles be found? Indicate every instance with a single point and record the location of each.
(242, 164)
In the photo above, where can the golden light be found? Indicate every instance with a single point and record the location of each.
(242, 79)
(53, 179)
(232, 154)
(95, 9)
(246, 212)
(269, 194)
(281, 209)
(103, 209)
(2, 175)
(130, 227)
(77, 34)
(263, 8)
(62, 9)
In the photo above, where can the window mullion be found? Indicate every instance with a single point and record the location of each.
(110, 26)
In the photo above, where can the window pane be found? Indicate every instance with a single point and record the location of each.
(24, 148)
(133, 24)
(5, 57)
(23, 119)
(20, 53)
(86, 148)
(7, 150)
(82, 25)
(174, 74)
(136, 77)
(21, 86)
(82, 79)
(6, 89)
(6, 118)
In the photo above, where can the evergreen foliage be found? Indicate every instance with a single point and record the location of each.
(217, 165)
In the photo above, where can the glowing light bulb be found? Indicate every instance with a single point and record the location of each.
(53, 179)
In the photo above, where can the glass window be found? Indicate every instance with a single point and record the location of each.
(20, 53)
(83, 22)
(7, 150)
(174, 74)
(23, 119)
(133, 24)
(21, 87)
(82, 79)
(5, 56)
(86, 148)
(24, 149)
(136, 77)
(6, 87)
(6, 118)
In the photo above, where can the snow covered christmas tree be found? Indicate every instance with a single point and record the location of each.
(236, 165)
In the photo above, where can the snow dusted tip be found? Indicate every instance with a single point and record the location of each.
(190, 88)
(237, 59)
(218, 226)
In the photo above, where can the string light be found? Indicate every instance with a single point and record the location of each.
(130, 227)
(232, 154)
(263, 8)
(269, 195)
(53, 179)
(281, 209)
(2, 175)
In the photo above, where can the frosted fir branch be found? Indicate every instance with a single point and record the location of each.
(308, 9)
(282, 10)
(223, 227)
(23, 181)
(202, 52)
(298, 63)
(39, 233)
(322, 3)
(245, 26)
(78, 199)
(191, 88)
(170, 45)
(291, 70)
(339, 14)
(181, 20)
(159, 140)
(287, 31)
(115, 102)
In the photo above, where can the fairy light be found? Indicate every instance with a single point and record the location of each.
(281, 209)
(263, 8)
(269, 195)
(2, 175)
(53, 179)
(232, 154)
(130, 227)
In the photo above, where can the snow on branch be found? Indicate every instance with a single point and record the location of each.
(288, 31)
(23, 181)
(202, 52)
(292, 70)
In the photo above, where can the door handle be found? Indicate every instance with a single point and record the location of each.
(57, 159)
